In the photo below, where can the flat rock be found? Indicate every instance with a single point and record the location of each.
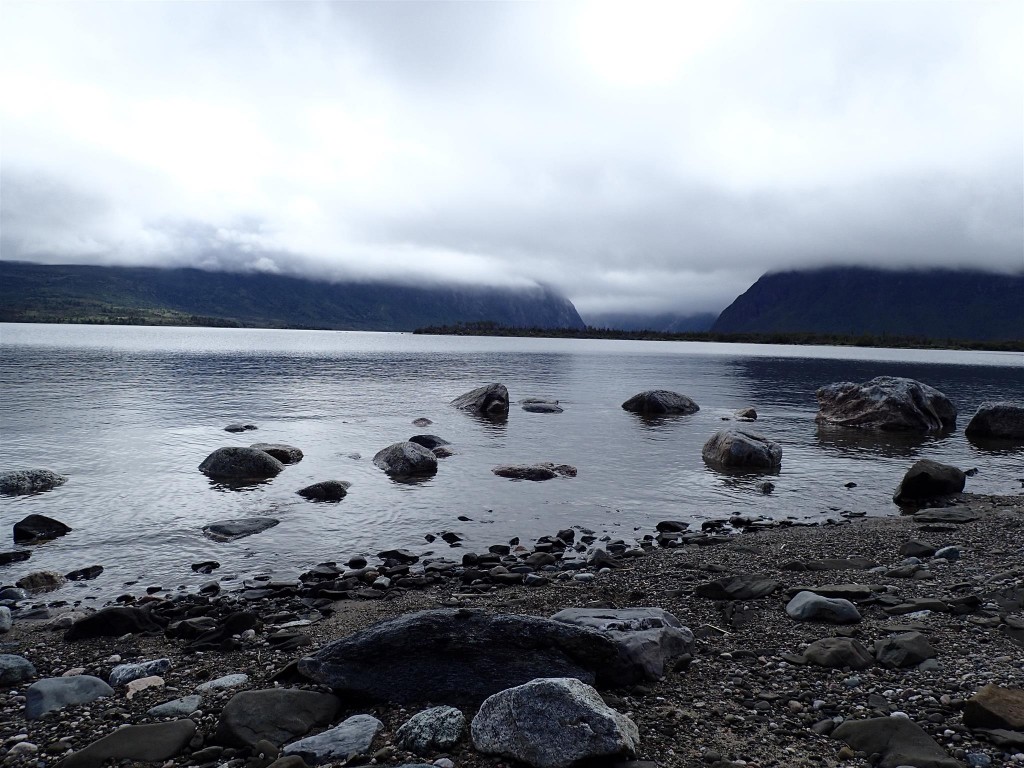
(286, 454)
(541, 406)
(223, 683)
(239, 463)
(552, 723)
(899, 741)
(460, 656)
(660, 402)
(855, 593)
(352, 737)
(839, 653)
(278, 715)
(229, 530)
(114, 622)
(742, 587)
(535, 472)
(736, 448)
(15, 670)
(22, 481)
(886, 403)
(997, 421)
(52, 693)
(326, 490)
(39, 528)
(807, 606)
(145, 743)
(123, 674)
(186, 705)
(927, 480)
(945, 516)
(490, 400)
(648, 639)
(995, 707)
(239, 427)
(406, 460)
(906, 649)
(433, 730)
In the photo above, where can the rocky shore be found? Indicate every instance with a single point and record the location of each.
(793, 638)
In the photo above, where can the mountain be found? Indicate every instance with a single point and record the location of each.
(937, 304)
(665, 322)
(149, 295)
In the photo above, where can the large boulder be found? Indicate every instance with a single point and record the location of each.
(660, 402)
(286, 454)
(278, 715)
(997, 421)
(490, 400)
(887, 403)
(462, 656)
(406, 460)
(22, 481)
(736, 448)
(928, 480)
(39, 528)
(238, 463)
(648, 639)
(899, 741)
(552, 723)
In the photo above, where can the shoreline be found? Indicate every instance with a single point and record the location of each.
(742, 697)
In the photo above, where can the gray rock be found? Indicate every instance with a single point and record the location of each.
(15, 670)
(460, 656)
(917, 548)
(326, 490)
(490, 400)
(434, 729)
(21, 481)
(899, 741)
(430, 442)
(406, 460)
(145, 743)
(238, 427)
(534, 405)
(997, 421)
(123, 674)
(927, 480)
(352, 737)
(39, 528)
(648, 639)
(839, 652)
(18, 556)
(14, 594)
(807, 606)
(278, 715)
(223, 683)
(41, 581)
(536, 472)
(746, 414)
(53, 693)
(660, 402)
(186, 705)
(229, 530)
(886, 403)
(238, 463)
(552, 723)
(735, 448)
(6, 621)
(740, 587)
(947, 553)
(286, 454)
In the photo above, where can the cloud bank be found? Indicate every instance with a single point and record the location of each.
(655, 156)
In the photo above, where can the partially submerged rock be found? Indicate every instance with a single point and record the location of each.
(239, 427)
(997, 421)
(539, 405)
(238, 463)
(286, 454)
(928, 480)
(735, 448)
(406, 460)
(536, 472)
(430, 442)
(229, 530)
(490, 400)
(39, 528)
(41, 581)
(886, 403)
(660, 402)
(21, 481)
(326, 490)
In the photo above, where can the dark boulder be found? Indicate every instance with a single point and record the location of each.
(490, 400)
(928, 480)
(278, 715)
(18, 556)
(286, 454)
(886, 403)
(114, 622)
(544, 471)
(326, 490)
(39, 528)
(22, 481)
(660, 402)
(430, 442)
(742, 449)
(537, 405)
(406, 460)
(906, 649)
(84, 574)
(460, 656)
(238, 427)
(238, 463)
(997, 421)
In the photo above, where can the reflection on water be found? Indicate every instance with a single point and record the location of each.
(129, 413)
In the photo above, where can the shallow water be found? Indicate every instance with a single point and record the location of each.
(129, 413)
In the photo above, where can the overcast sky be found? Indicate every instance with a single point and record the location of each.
(656, 156)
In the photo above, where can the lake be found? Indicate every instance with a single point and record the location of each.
(128, 413)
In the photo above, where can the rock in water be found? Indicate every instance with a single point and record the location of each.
(432, 730)
(343, 742)
(900, 742)
(41, 581)
(430, 442)
(887, 403)
(660, 402)
(144, 743)
(460, 656)
(238, 463)
(22, 481)
(997, 421)
(536, 472)
(286, 454)
(229, 530)
(238, 427)
(741, 449)
(52, 693)
(490, 400)
(537, 405)
(552, 723)
(278, 715)
(928, 480)
(327, 490)
(39, 528)
(406, 460)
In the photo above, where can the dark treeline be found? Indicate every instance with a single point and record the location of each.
(828, 339)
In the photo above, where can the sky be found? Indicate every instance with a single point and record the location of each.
(636, 156)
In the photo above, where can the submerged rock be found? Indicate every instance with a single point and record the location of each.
(886, 403)
(406, 460)
(286, 454)
(997, 421)
(742, 449)
(927, 480)
(21, 481)
(660, 402)
(41, 581)
(229, 530)
(489, 400)
(238, 463)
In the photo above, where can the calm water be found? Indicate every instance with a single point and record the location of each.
(129, 413)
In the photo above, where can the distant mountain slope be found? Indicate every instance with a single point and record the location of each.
(938, 304)
(665, 322)
(45, 293)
